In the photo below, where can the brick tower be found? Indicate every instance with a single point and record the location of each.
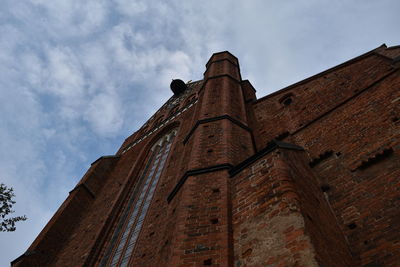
(306, 176)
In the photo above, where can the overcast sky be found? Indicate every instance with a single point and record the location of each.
(78, 77)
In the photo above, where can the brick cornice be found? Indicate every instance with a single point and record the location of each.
(225, 166)
(271, 146)
(218, 53)
(23, 256)
(217, 118)
(217, 77)
(105, 157)
(85, 187)
(233, 170)
(221, 60)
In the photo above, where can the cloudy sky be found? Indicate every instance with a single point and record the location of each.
(78, 77)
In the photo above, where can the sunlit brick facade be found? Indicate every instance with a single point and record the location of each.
(306, 176)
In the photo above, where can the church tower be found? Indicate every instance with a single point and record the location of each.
(306, 176)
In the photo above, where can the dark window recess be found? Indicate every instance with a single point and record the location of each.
(190, 99)
(352, 226)
(173, 111)
(385, 153)
(215, 190)
(210, 150)
(320, 158)
(395, 119)
(207, 262)
(325, 188)
(145, 128)
(214, 221)
(286, 100)
(158, 121)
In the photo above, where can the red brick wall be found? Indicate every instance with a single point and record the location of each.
(364, 187)
(203, 226)
(313, 98)
(348, 122)
(391, 52)
(268, 228)
(280, 217)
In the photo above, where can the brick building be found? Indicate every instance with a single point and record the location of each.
(306, 176)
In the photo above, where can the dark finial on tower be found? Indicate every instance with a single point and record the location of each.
(178, 86)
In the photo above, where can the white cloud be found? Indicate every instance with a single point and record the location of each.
(176, 65)
(104, 114)
(130, 8)
(65, 75)
(96, 61)
(71, 18)
(77, 77)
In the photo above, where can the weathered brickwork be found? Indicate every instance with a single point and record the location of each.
(281, 217)
(204, 225)
(268, 227)
(306, 176)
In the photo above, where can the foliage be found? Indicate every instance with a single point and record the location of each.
(6, 203)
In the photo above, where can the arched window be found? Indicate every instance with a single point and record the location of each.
(287, 99)
(173, 110)
(131, 220)
(145, 128)
(190, 99)
(158, 121)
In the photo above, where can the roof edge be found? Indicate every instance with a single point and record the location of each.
(222, 52)
(362, 56)
(393, 47)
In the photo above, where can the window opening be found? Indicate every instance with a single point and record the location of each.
(287, 99)
(130, 223)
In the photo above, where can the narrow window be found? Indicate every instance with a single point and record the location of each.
(173, 111)
(190, 99)
(158, 121)
(131, 220)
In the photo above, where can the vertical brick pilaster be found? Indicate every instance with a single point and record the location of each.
(204, 222)
(221, 137)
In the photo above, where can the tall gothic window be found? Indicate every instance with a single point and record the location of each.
(131, 220)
